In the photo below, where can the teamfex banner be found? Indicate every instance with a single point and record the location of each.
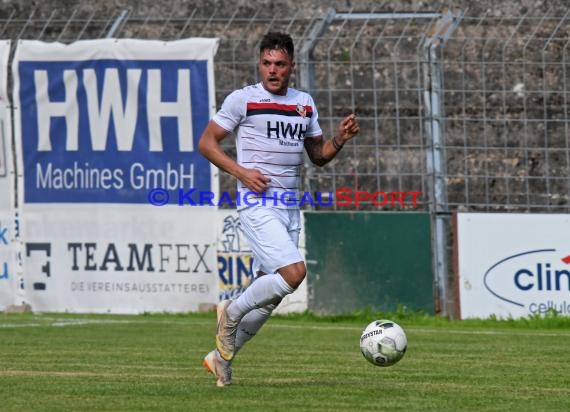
(513, 265)
(99, 125)
(7, 190)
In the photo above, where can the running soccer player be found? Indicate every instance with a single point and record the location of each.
(272, 124)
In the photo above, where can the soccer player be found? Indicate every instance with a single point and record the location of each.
(272, 124)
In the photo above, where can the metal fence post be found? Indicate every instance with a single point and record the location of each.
(435, 155)
(117, 24)
(306, 68)
(307, 71)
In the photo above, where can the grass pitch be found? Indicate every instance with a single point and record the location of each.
(55, 362)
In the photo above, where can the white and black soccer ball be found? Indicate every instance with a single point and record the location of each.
(383, 343)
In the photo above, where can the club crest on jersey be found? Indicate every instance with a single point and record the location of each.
(301, 110)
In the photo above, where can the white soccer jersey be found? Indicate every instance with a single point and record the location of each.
(269, 131)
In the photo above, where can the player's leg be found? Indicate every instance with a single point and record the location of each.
(219, 367)
(251, 323)
(273, 235)
(266, 291)
(248, 327)
(268, 233)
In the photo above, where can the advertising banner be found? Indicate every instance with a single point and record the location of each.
(235, 263)
(7, 189)
(115, 259)
(513, 265)
(105, 121)
(101, 127)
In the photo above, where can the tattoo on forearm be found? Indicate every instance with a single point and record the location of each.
(314, 148)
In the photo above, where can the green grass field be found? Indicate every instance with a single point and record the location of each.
(55, 362)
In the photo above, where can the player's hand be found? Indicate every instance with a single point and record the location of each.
(347, 128)
(254, 180)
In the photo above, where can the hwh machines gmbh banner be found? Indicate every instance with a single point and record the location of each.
(99, 124)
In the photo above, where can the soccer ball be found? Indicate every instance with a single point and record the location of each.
(383, 343)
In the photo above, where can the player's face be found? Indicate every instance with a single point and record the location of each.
(275, 68)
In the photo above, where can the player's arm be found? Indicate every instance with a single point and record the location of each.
(209, 146)
(322, 151)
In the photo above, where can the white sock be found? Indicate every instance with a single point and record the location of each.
(222, 360)
(251, 323)
(264, 291)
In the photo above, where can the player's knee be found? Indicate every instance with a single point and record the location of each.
(294, 274)
(298, 276)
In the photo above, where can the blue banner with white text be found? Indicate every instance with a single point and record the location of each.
(111, 126)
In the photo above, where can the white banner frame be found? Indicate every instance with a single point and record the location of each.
(8, 235)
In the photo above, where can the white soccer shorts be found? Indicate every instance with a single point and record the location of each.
(273, 235)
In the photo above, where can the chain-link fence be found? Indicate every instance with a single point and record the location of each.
(506, 120)
(503, 93)
(470, 110)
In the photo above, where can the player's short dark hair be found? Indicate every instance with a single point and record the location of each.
(277, 41)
